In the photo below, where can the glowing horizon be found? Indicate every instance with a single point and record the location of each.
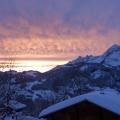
(26, 65)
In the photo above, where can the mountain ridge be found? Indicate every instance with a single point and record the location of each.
(82, 75)
(111, 55)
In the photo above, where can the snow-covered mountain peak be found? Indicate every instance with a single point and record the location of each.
(113, 48)
(110, 58)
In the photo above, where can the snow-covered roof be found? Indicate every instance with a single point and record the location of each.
(110, 100)
(16, 105)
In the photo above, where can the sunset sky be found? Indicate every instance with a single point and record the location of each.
(58, 29)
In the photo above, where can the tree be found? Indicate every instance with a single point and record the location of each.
(7, 91)
(78, 85)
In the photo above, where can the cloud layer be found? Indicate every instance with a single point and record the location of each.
(77, 27)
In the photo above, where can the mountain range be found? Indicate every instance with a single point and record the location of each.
(81, 75)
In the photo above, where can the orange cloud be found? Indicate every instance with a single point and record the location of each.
(19, 37)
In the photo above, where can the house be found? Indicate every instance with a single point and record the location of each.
(92, 106)
(16, 106)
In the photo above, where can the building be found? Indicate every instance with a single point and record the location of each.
(92, 106)
(13, 107)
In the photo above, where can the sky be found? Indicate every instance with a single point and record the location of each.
(58, 29)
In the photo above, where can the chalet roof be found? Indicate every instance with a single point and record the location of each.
(109, 100)
(15, 105)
